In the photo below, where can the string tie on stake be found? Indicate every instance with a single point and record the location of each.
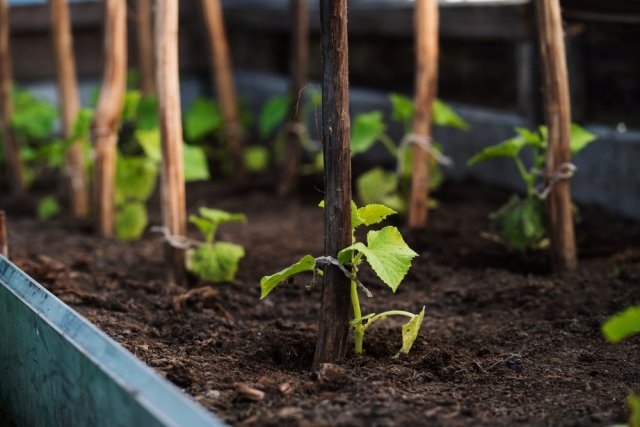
(324, 261)
(565, 171)
(425, 143)
(102, 132)
(178, 242)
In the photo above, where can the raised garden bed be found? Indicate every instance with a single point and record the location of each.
(503, 342)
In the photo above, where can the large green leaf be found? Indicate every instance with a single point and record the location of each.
(256, 158)
(366, 130)
(48, 207)
(382, 187)
(386, 252)
(269, 283)
(218, 216)
(444, 115)
(149, 140)
(509, 149)
(520, 223)
(622, 325)
(136, 178)
(273, 113)
(410, 332)
(131, 221)
(196, 167)
(202, 118)
(147, 116)
(580, 138)
(374, 213)
(402, 109)
(33, 118)
(217, 262)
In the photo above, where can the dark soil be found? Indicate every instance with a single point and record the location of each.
(504, 343)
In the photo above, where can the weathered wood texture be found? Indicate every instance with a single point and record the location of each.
(225, 85)
(75, 170)
(334, 314)
(107, 118)
(12, 152)
(558, 119)
(426, 24)
(4, 239)
(173, 191)
(299, 71)
(146, 61)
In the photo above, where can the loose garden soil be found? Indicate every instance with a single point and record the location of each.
(503, 343)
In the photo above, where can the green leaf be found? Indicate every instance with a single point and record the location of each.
(206, 227)
(48, 207)
(633, 403)
(131, 221)
(367, 129)
(136, 179)
(580, 138)
(386, 252)
(203, 118)
(402, 109)
(622, 325)
(32, 118)
(218, 216)
(374, 213)
(196, 167)
(256, 158)
(509, 149)
(378, 186)
(410, 332)
(444, 115)
(131, 102)
(149, 140)
(147, 116)
(269, 283)
(520, 223)
(273, 114)
(217, 262)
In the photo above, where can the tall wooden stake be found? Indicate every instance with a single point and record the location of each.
(173, 191)
(299, 70)
(224, 82)
(107, 118)
(69, 105)
(558, 118)
(334, 315)
(426, 33)
(4, 240)
(146, 59)
(11, 149)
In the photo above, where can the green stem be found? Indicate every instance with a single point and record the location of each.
(357, 313)
(528, 177)
(386, 314)
(389, 145)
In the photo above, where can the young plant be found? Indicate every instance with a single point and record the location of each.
(392, 188)
(212, 260)
(520, 223)
(387, 254)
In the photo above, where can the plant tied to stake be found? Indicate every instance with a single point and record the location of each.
(388, 255)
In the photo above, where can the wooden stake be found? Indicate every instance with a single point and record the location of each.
(70, 106)
(173, 191)
(334, 315)
(107, 118)
(299, 70)
(146, 59)
(224, 82)
(4, 241)
(11, 149)
(558, 118)
(426, 33)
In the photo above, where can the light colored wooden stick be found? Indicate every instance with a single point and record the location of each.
(146, 59)
(225, 85)
(107, 119)
(558, 118)
(173, 191)
(426, 34)
(69, 106)
(11, 149)
(4, 240)
(299, 71)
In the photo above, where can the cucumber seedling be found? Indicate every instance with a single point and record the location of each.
(388, 255)
(520, 223)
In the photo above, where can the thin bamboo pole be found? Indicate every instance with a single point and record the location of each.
(107, 118)
(4, 241)
(426, 30)
(558, 118)
(69, 106)
(146, 58)
(173, 191)
(334, 314)
(299, 71)
(11, 149)
(225, 85)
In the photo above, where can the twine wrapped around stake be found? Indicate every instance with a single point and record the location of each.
(565, 171)
(423, 142)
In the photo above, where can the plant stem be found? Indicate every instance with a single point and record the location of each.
(357, 314)
(528, 177)
(389, 145)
